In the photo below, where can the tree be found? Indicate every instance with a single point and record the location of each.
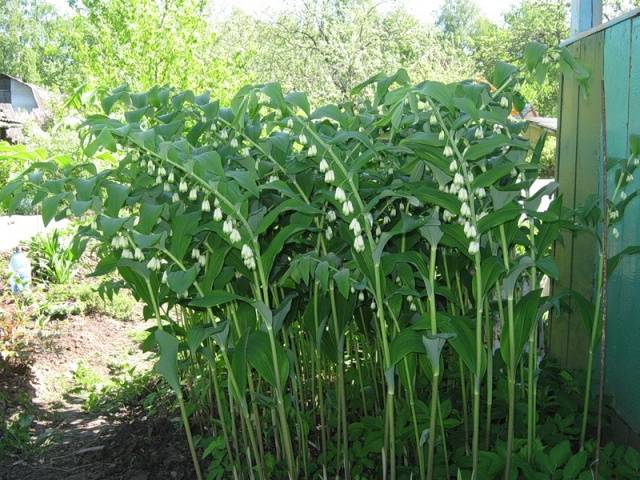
(327, 47)
(544, 21)
(459, 19)
(24, 39)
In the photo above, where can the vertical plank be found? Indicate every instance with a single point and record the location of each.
(624, 314)
(617, 60)
(587, 184)
(565, 172)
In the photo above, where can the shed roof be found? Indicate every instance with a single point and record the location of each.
(40, 94)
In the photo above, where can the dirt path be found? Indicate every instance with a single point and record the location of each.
(82, 445)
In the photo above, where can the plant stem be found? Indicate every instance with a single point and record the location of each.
(592, 345)
(511, 367)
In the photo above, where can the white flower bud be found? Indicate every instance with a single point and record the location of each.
(361, 296)
(463, 195)
(246, 252)
(358, 244)
(458, 179)
(433, 119)
(393, 212)
(202, 260)
(615, 233)
(227, 226)
(447, 216)
(193, 194)
(504, 102)
(373, 305)
(324, 166)
(378, 231)
(340, 196)
(453, 166)
(165, 277)
(224, 134)
(497, 128)
(355, 227)
(302, 139)
(474, 247)
(623, 195)
(250, 263)
(412, 307)
(629, 178)
(183, 186)
(465, 211)
(347, 208)
(175, 197)
(171, 178)
(448, 151)
(473, 233)
(245, 152)
(154, 264)
(217, 214)
(233, 143)
(479, 133)
(329, 177)
(205, 207)
(162, 172)
(312, 151)
(328, 233)
(138, 255)
(126, 253)
(167, 187)
(158, 180)
(441, 135)
(289, 123)
(386, 220)
(235, 236)
(331, 216)
(195, 253)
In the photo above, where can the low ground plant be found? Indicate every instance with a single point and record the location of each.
(354, 291)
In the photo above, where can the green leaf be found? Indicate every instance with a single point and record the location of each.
(260, 357)
(341, 278)
(103, 140)
(501, 216)
(433, 344)
(216, 298)
(180, 281)
(167, 364)
(404, 343)
(116, 196)
(574, 466)
(50, 207)
(533, 54)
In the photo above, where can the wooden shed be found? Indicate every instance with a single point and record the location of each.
(18, 99)
(612, 53)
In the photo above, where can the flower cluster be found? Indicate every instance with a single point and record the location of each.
(247, 257)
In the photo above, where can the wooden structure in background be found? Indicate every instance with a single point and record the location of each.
(612, 53)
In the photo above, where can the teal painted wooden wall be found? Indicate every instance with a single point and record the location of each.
(612, 54)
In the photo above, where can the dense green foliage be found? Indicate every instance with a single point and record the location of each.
(352, 289)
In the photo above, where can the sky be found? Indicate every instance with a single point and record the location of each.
(423, 10)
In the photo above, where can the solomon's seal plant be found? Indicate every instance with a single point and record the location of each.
(336, 290)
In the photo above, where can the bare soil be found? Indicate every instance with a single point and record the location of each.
(82, 445)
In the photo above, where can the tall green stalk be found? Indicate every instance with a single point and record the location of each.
(511, 366)
(592, 345)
